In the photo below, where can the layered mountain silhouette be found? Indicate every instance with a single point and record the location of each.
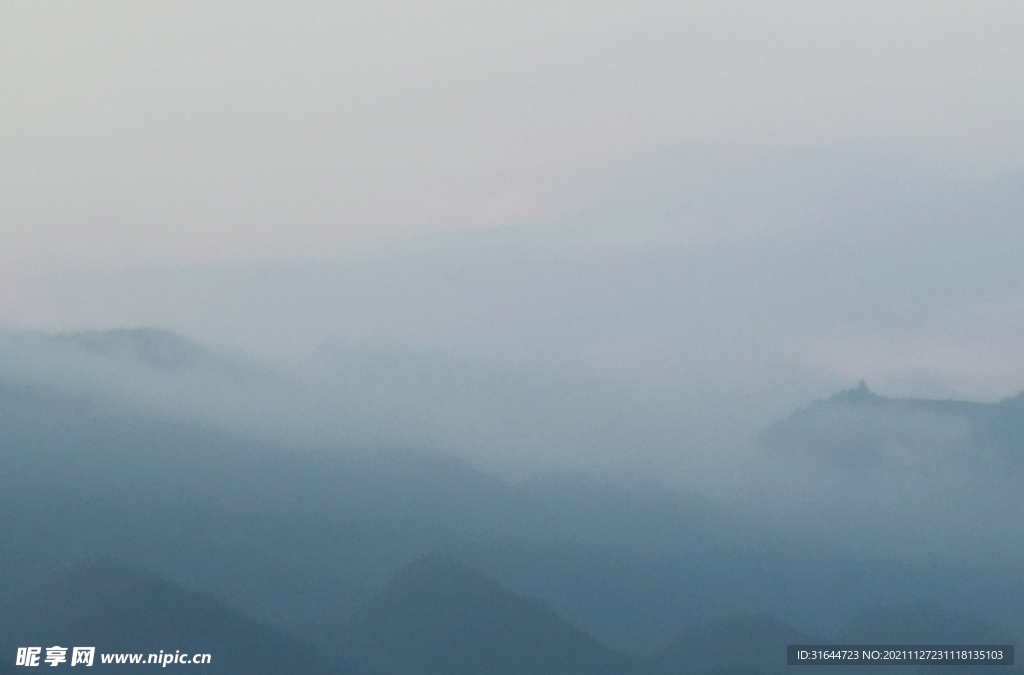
(117, 609)
(300, 536)
(439, 617)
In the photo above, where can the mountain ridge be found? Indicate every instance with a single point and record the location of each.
(438, 616)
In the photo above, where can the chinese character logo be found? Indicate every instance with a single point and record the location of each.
(28, 656)
(56, 655)
(82, 655)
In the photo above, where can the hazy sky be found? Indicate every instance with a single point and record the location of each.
(214, 131)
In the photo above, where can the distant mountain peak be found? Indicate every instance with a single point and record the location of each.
(154, 347)
(121, 608)
(161, 350)
(859, 394)
(859, 428)
(438, 616)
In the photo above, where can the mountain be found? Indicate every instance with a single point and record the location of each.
(439, 617)
(152, 347)
(118, 609)
(734, 644)
(919, 477)
(300, 534)
(860, 430)
(293, 535)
